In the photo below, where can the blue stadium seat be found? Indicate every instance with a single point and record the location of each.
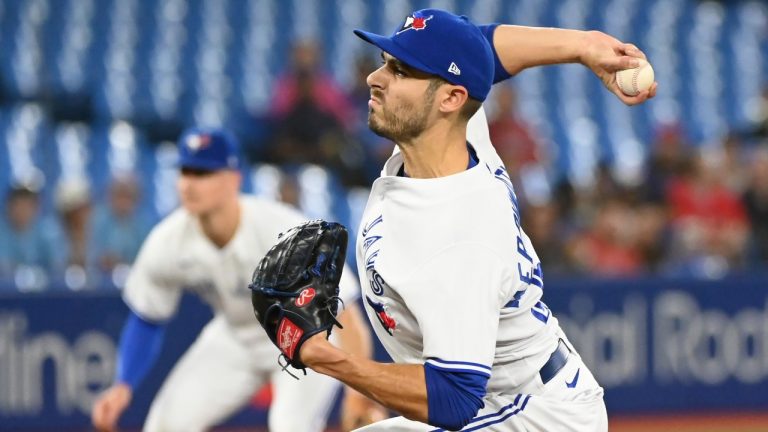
(215, 61)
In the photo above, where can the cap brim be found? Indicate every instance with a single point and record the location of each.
(201, 164)
(389, 46)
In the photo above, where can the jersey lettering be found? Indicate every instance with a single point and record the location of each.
(372, 224)
(502, 176)
(375, 281)
(532, 275)
(522, 251)
(541, 312)
(369, 242)
(371, 260)
(515, 302)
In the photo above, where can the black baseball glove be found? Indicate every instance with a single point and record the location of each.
(295, 288)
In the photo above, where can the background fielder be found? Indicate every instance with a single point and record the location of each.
(210, 247)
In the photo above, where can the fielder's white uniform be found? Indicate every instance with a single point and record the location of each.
(447, 273)
(233, 356)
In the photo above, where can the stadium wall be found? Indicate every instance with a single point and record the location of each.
(659, 346)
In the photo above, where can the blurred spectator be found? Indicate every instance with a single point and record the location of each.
(606, 185)
(312, 119)
(515, 140)
(73, 203)
(589, 200)
(302, 132)
(669, 159)
(305, 82)
(756, 202)
(29, 241)
(709, 222)
(651, 233)
(761, 119)
(734, 160)
(608, 247)
(118, 228)
(546, 227)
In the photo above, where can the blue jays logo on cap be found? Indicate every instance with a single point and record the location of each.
(209, 149)
(443, 44)
(198, 142)
(415, 23)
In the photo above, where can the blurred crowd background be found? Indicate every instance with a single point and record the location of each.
(94, 94)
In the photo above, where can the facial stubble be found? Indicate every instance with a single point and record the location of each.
(405, 123)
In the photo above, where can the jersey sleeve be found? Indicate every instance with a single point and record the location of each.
(499, 73)
(456, 298)
(140, 345)
(151, 291)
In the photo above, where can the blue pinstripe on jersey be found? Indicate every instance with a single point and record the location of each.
(497, 417)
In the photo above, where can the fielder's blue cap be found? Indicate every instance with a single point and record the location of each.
(209, 149)
(441, 43)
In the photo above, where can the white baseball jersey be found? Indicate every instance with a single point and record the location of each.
(177, 255)
(234, 352)
(449, 277)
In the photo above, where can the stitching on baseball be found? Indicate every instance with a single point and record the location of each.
(634, 80)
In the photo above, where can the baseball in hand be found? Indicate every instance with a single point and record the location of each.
(633, 81)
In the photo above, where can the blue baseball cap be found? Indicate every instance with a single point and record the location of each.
(443, 44)
(209, 149)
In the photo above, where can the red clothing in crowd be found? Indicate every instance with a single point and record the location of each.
(715, 206)
(608, 258)
(326, 95)
(514, 141)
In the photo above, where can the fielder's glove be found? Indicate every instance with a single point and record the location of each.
(295, 288)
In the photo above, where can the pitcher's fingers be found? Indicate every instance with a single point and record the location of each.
(633, 51)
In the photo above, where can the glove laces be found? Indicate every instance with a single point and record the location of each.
(284, 362)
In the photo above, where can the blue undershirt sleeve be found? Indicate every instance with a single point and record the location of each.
(140, 345)
(499, 74)
(453, 396)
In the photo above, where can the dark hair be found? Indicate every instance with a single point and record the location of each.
(20, 191)
(469, 108)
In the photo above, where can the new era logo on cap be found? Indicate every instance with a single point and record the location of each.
(454, 69)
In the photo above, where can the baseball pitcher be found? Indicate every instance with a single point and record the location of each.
(450, 282)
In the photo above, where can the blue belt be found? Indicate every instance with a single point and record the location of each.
(556, 362)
